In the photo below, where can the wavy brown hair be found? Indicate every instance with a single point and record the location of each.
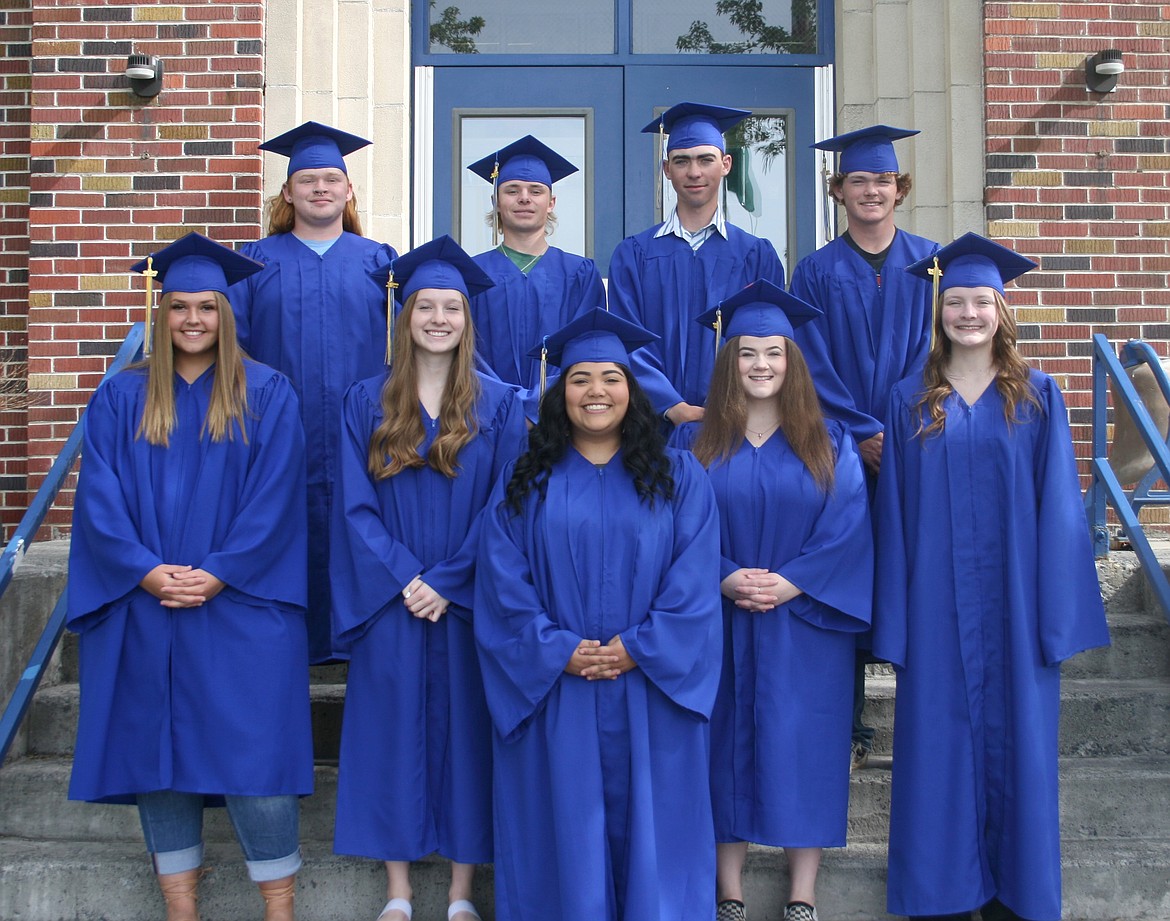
(229, 390)
(394, 444)
(801, 418)
(281, 217)
(1012, 375)
(837, 183)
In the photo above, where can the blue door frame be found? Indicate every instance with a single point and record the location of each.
(621, 93)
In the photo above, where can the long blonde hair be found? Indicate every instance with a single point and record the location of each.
(281, 217)
(1012, 374)
(229, 391)
(394, 443)
(801, 418)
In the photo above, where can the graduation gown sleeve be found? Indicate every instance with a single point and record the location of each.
(523, 652)
(262, 548)
(834, 568)
(672, 644)
(115, 558)
(1071, 617)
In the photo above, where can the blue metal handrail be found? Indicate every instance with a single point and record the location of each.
(24, 535)
(1105, 487)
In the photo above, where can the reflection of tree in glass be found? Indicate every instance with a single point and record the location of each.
(747, 16)
(764, 134)
(452, 32)
(761, 137)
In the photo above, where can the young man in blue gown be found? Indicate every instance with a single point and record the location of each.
(538, 287)
(316, 314)
(664, 277)
(875, 328)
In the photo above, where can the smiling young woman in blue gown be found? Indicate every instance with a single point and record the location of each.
(424, 443)
(597, 619)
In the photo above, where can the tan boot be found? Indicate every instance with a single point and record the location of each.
(278, 898)
(180, 891)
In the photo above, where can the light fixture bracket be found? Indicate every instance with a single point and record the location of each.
(145, 75)
(1102, 69)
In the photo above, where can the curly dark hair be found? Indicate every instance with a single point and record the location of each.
(643, 447)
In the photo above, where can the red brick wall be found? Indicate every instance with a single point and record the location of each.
(15, 68)
(1078, 180)
(113, 177)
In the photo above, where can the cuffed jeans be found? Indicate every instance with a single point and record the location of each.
(267, 828)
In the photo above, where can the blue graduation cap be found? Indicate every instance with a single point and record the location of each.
(597, 335)
(972, 261)
(527, 159)
(197, 263)
(867, 150)
(315, 146)
(761, 309)
(442, 263)
(694, 124)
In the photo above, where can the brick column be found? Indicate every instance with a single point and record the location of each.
(114, 177)
(1078, 180)
(15, 46)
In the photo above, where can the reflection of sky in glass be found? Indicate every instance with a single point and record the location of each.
(657, 24)
(761, 208)
(483, 135)
(547, 27)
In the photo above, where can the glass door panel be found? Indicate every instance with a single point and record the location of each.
(576, 111)
(481, 135)
(771, 190)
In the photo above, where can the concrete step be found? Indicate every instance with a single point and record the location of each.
(1098, 716)
(34, 803)
(88, 881)
(1117, 798)
(1140, 648)
(51, 722)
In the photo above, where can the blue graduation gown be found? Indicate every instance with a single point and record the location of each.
(512, 317)
(872, 335)
(602, 802)
(322, 321)
(780, 730)
(661, 284)
(212, 699)
(415, 773)
(985, 585)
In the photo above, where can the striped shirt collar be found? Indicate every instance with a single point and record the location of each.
(674, 226)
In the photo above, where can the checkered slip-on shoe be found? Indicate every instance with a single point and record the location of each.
(730, 910)
(800, 911)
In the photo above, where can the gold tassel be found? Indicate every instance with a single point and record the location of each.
(150, 274)
(935, 275)
(391, 284)
(718, 324)
(496, 201)
(658, 177)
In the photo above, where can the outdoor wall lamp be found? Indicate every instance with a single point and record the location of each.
(1101, 71)
(145, 75)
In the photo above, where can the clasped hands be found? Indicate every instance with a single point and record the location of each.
(181, 586)
(423, 601)
(757, 590)
(593, 662)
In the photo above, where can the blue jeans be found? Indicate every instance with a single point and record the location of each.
(267, 828)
